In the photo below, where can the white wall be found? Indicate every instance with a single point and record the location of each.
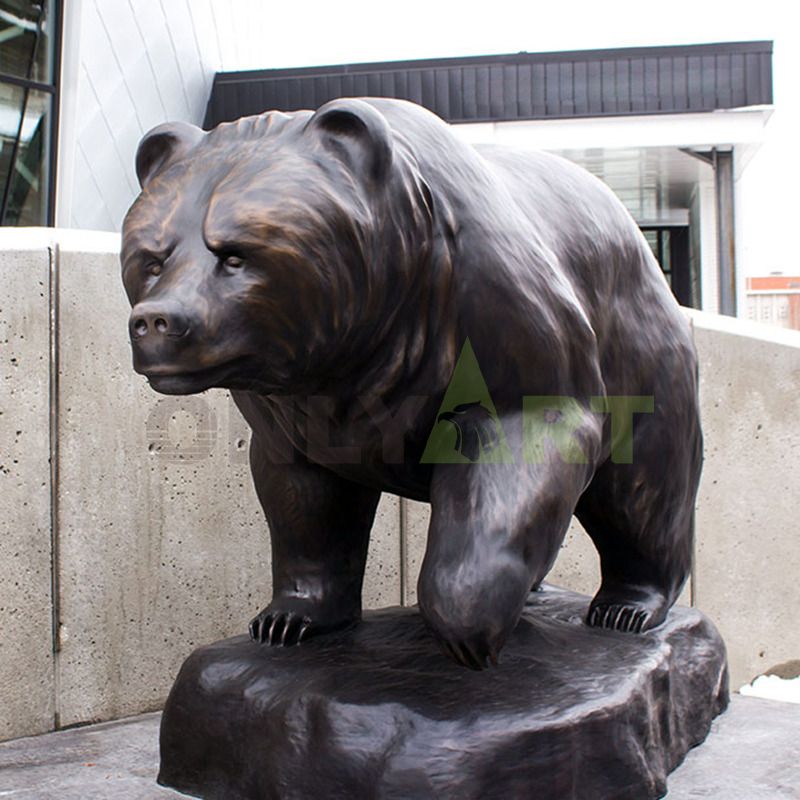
(707, 217)
(128, 66)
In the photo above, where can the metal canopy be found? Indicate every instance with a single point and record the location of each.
(522, 86)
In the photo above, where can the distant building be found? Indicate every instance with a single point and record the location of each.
(774, 300)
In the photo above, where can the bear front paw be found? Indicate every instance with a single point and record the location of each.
(282, 628)
(474, 652)
(628, 609)
(289, 620)
(474, 645)
(471, 621)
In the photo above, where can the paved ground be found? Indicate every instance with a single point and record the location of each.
(116, 760)
(752, 753)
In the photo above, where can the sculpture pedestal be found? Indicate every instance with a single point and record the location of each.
(378, 712)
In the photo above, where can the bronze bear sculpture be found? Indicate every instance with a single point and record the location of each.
(328, 267)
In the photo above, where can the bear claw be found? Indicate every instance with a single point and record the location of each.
(280, 629)
(618, 617)
(469, 656)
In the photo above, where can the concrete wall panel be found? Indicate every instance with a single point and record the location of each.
(578, 565)
(382, 577)
(26, 647)
(416, 518)
(163, 545)
(748, 550)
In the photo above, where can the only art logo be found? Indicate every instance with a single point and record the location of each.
(467, 429)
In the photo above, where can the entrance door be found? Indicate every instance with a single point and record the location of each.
(670, 246)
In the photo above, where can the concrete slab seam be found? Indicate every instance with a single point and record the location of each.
(54, 365)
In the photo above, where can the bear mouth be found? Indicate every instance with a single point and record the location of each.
(228, 375)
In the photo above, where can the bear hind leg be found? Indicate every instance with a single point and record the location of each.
(640, 517)
(628, 608)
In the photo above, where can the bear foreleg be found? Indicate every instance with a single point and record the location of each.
(495, 532)
(319, 529)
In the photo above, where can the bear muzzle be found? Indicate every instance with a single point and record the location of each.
(153, 322)
(161, 334)
(171, 351)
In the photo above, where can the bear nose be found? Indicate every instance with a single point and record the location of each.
(156, 319)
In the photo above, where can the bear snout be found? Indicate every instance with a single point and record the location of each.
(151, 320)
(161, 332)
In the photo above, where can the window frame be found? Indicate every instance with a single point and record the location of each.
(53, 88)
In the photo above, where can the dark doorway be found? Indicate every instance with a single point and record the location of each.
(670, 246)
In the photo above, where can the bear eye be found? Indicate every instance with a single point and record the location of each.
(153, 268)
(232, 262)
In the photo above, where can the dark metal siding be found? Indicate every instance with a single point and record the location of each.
(652, 80)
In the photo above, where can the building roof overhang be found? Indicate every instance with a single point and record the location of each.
(641, 81)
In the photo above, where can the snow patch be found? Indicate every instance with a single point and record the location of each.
(771, 687)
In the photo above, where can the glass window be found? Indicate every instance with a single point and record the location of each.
(24, 145)
(26, 39)
(28, 101)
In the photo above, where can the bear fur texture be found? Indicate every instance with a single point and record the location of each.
(330, 267)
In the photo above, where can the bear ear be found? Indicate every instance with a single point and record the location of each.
(163, 145)
(356, 130)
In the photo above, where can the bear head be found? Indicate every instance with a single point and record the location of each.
(272, 253)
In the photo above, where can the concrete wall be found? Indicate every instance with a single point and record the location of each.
(26, 660)
(144, 536)
(747, 571)
(156, 544)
